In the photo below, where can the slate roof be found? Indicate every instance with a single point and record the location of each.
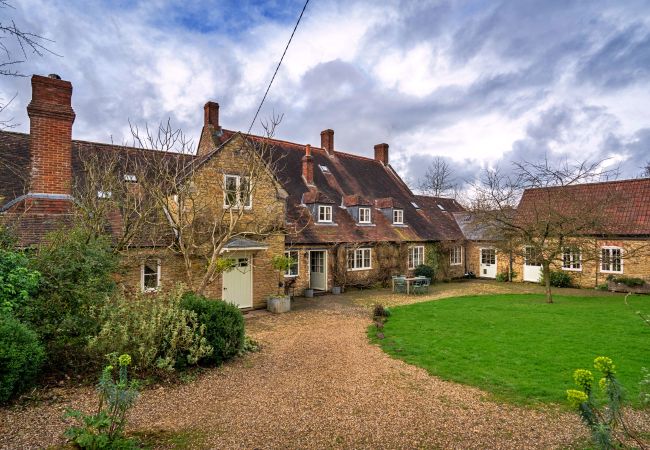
(624, 205)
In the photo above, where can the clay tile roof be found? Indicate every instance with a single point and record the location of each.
(316, 197)
(622, 207)
(388, 202)
(355, 200)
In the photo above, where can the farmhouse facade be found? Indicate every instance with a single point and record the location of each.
(343, 219)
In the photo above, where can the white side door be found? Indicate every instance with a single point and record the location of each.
(238, 281)
(318, 269)
(488, 263)
(532, 265)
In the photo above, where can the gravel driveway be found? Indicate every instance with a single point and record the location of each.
(317, 383)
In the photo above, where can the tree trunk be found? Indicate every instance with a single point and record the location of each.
(546, 267)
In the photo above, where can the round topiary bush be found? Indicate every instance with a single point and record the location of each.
(224, 325)
(21, 357)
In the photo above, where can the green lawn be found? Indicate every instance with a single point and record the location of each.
(517, 347)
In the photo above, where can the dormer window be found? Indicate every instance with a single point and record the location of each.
(325, 213)
(442, 208)
(364, 215)
(398, 216)
(323, 168)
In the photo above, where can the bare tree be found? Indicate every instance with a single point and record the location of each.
(534, 214)
(438, 180)
(646, 170)
(15, 46)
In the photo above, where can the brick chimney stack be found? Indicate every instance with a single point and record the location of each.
(308, 166)
(50, 135)
(211, 114)
(327, 141)
(381, 153)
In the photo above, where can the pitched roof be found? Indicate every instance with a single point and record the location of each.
(348, 180)
(620, 208)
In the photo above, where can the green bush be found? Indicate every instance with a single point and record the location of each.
(424, 271)
(154, 329)
(629, 281)
(21, 357)
(559, 279)
(224, 326)
(503, 276)
(17, 281)
(76, 278)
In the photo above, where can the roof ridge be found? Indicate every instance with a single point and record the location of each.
(594, 183)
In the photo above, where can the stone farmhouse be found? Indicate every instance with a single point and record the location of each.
(344, 219)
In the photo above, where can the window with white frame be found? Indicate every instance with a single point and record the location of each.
(416, 256)
(237, 192)
(611, 259)
(150, 275)
(456, 255)
(364, 215)
(104, 194)
(398, 216)
(532, 257)
(292, 271)
(324, 213)
(359, 259)
(571, 259)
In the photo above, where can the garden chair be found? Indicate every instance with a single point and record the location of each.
(421, 286)
(399, 285)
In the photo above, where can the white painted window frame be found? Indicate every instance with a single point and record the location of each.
(158, 273)
(288, 253)
(368, 218)
(354, 251)
(237, 204)
(573, 252)
(600, 262)
(323, 215)
(453, 253)
(398, 213)
(419, 249)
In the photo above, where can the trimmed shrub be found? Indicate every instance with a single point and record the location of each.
(424, 271)
(21, 357)
(559, 279)
(154, 329)
(224, 326)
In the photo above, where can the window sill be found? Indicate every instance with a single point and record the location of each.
(456, 264)
(569, 269)
(611, 271)
(291, 276)
(360, 269)
(331, 224)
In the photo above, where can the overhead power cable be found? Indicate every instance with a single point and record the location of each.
(278, 67)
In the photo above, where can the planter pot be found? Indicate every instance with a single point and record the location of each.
(336, 290)
(620, 287)
(309, 293)
(279, 304)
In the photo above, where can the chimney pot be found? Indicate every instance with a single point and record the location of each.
(54, 76)
(211, 114)
(327, 141)
(381, 153)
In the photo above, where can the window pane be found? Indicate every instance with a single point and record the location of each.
(231, 190)
(244, 194)
(150, 275)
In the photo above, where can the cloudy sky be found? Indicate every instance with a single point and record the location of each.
(481, 83)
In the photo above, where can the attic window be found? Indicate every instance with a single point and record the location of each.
(104, 194)
(398, 216)
(130, 178)
(441, 207)
(415, 205)
(324, 169)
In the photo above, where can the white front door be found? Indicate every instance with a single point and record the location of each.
(238, 281)
(532, 265)
(488, 263)
(318, 269)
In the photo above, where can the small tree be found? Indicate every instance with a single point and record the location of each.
(282, 264)
(533, 213)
